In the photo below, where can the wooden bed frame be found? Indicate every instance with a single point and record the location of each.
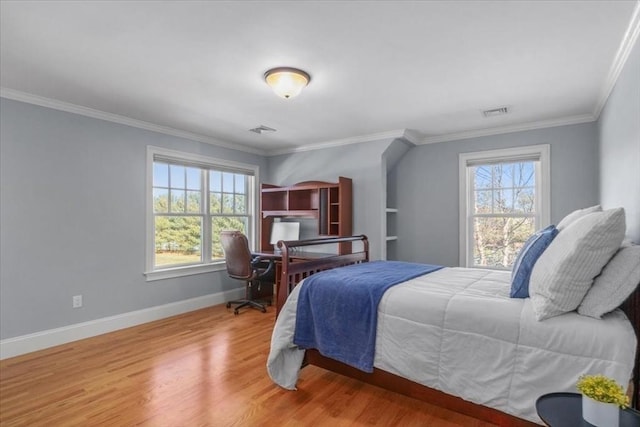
(294, 270)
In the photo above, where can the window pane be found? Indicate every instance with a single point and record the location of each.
(160, 175)
(221, 223)
(240, 183)
(177, 240)
(193, 178)
(177, 176)
(482, 177)
(524, 201)
(177, 200)
(241, 206)
(497, 241)
(193, 201)
(483, 202)
(227, 182)
(525, 174)
(503, 201)
(215, 202)
(227, 203)
(505, 171)
(160, 200)
(215, 181)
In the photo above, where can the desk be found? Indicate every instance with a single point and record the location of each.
(565, 410)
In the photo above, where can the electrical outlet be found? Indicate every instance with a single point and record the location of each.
(77, 301)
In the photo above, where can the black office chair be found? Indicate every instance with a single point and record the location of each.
(242, 265)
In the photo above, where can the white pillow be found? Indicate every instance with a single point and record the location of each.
(575, 215)
(619, 278)
(565, 271)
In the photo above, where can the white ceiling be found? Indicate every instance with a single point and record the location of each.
(379, 68)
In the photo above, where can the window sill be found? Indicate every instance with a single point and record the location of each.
(170, 273)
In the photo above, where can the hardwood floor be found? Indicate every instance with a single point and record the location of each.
(204, 368)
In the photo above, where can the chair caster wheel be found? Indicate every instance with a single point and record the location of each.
(264, 310)
(235, 312)
(228, 305)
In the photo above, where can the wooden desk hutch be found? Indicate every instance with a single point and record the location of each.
(330, 203)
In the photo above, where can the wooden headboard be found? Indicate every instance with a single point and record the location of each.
(632, 309)
(294, 269)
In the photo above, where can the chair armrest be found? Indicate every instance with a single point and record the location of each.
(261, 273)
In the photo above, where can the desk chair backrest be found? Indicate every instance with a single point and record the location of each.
(237, 255)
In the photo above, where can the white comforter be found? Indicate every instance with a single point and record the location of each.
(457, 330)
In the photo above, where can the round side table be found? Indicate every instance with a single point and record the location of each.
(565, 410)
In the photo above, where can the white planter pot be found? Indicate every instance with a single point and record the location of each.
(600, 414)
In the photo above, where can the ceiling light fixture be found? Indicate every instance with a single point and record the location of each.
(287, 82)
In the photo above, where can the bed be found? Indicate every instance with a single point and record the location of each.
(492, 369)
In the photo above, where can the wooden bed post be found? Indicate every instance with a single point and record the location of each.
(631, 307)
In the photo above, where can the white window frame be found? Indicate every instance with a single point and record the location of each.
(540, 153)
(206, 266)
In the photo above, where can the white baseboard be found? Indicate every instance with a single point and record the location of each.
(16, 346)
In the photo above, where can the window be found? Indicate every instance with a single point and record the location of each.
(193, 198)
(504, 198)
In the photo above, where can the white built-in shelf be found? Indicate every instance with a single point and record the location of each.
(391, 211)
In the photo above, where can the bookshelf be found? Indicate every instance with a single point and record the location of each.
(330, 203)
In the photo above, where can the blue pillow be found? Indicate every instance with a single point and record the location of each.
(529, 254)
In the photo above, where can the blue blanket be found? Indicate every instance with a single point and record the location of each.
(337, 309)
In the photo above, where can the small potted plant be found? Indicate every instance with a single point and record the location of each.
(602, 399)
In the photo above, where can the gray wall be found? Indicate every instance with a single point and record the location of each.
(72, 219)
(361, 162)
(426, 186)
(72, 216)
(619, 129)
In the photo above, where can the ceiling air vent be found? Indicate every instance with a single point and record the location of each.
(262, 128)
(495, 112)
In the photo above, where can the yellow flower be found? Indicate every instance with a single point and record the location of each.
(602, 389)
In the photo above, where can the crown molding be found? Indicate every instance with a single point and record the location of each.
(393, 134)
(572, 120)
(626, 46)
(412, 136)
(42, 101)
(406, 134)
(115, 118)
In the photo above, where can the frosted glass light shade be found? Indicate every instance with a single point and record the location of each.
(287, 82)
